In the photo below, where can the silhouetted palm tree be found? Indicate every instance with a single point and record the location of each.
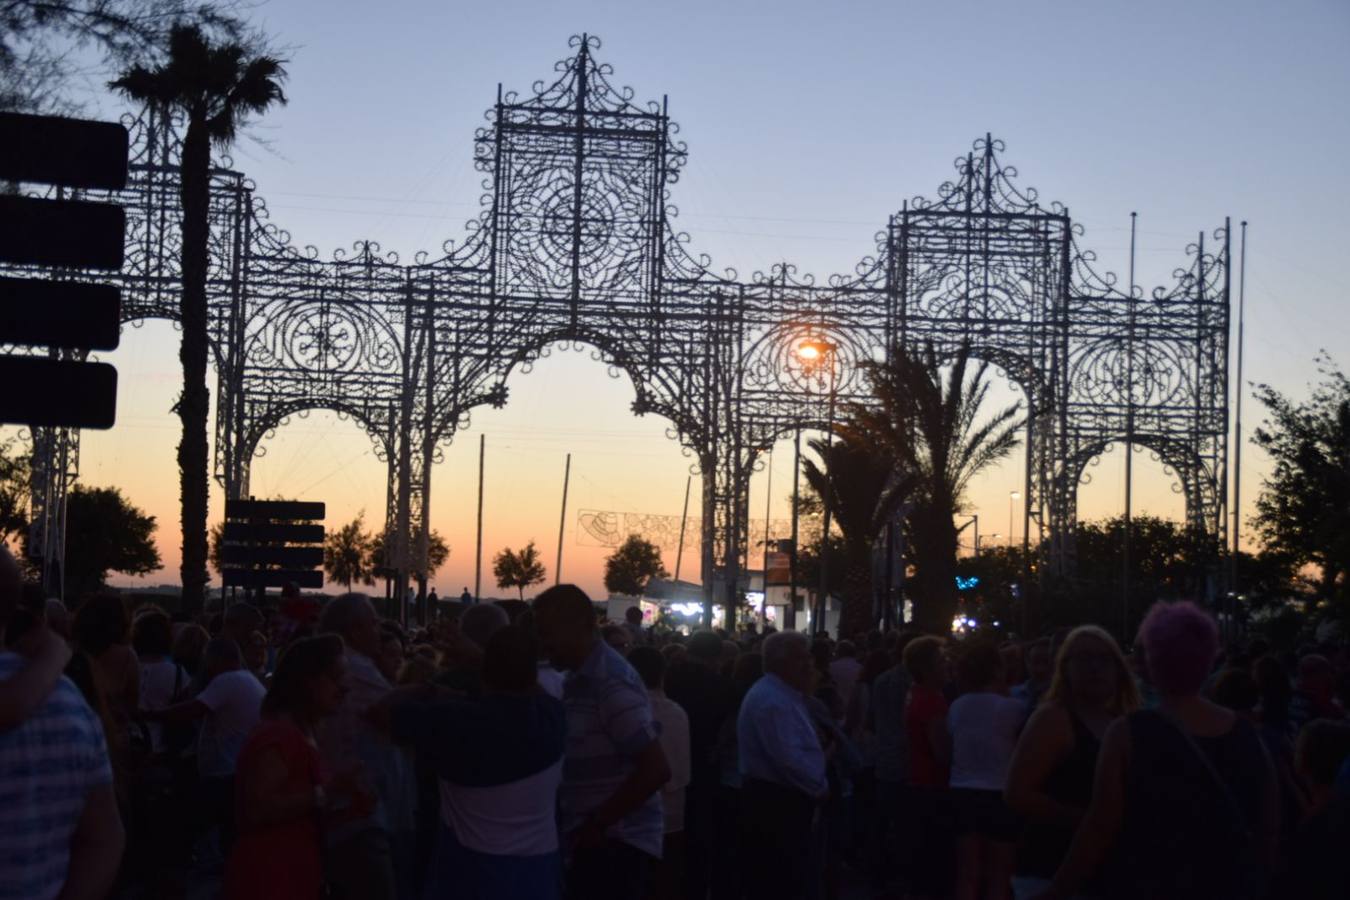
(216, 88)
(347, 553)
(932, 429)
(865, 489)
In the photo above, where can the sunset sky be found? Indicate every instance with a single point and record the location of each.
(807, 124)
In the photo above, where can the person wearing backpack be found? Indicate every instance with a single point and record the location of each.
(159, 845)
(1185, 800)
(162, 681)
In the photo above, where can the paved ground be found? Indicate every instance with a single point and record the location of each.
(205, 884)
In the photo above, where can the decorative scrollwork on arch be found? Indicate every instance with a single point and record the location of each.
(576, 246)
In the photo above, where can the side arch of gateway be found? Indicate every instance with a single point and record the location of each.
(577, 242)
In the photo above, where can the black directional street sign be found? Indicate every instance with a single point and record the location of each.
(35, 231)
(56, 392)
(69, 317)
(270, 543)
(38, 312)
(65, 152)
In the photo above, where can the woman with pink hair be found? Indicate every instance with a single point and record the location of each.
(1184, 795)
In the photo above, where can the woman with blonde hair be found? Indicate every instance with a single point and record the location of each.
(1051, 774)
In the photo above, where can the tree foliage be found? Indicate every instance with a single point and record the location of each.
(217, 87)
(215, 538)
(518, 569)
(1303, 510)
(15, 488)
(864, 488)
(1168, 561)
(808, 565)
(934, 428)
(347, 553)
(632, 564)
(1164, 555)
(105, 533)
(1002, 584)
(438, 551)
(45, 45)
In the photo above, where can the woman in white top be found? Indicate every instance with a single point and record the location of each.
(984, 724)
(161, 679)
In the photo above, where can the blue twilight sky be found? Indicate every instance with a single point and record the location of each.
(807, 124)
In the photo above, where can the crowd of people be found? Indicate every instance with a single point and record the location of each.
(319, 751)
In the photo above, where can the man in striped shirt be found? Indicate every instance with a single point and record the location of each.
(60, 833)
(614, 767)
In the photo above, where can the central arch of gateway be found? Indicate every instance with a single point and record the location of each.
(577, 242)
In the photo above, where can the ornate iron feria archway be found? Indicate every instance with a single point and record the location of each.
(576, 243)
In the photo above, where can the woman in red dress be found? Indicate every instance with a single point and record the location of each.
(281, 791)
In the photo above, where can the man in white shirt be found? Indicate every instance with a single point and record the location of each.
(674, 725)
(231, 705)
(845, 670)
(782, 770)
(228, 708)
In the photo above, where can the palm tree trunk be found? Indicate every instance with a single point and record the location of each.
(193, 404)
(935, 542)
(857, 612)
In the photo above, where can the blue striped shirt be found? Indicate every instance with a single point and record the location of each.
(48, 766)
(609, 722)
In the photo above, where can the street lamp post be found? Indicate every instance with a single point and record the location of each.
(992, 537)
(814, 353)
(1011, 497)
(974, 520)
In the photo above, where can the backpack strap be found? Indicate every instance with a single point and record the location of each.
(1234, 808)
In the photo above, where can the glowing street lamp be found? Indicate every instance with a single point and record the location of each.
(812, 351)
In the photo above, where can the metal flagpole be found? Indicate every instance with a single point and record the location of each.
(818, 621)
(1237, 424)
(790, 622)
(1129, 449)
(478, 564)
(764, 580)
(684, 520)
(562, 521)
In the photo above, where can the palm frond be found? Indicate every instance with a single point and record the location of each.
(142, 85)
(928, 411)
(220, 85)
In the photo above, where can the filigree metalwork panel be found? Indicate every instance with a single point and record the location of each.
(577, 245)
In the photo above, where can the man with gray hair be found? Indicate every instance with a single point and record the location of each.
(479, 623)
(462, 648)
(782, 770)
(360, 864)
